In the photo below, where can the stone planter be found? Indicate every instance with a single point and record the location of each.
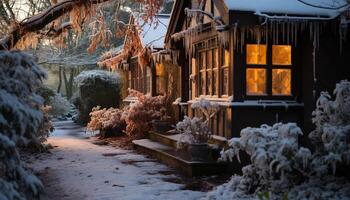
(199, 152)
(161, 126)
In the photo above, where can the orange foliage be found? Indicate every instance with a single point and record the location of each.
(30, 40)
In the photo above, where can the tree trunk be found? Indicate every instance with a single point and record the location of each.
(69, 83)
(59, 79)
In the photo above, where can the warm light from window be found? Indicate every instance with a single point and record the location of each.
(160, 70)
(256, 81)
(281, 82)
(227, 58)
(281, 55)
(256, 54)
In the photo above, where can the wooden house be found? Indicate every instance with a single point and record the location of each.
(263, 61)
(137, 61)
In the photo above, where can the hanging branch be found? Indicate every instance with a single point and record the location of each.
(38, 22)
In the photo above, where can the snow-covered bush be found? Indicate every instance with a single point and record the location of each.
(135, 120)
(96, 88)
(60, 106)
(45, 128)
(139, 115)
(46, 93)
(332, 120)
(20, 121)
(196, 130)
(284, 168)
(207, 108)
(276, 157)
(106, 119)
(193, 131)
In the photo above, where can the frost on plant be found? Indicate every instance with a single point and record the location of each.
(282, 167)
(274, 152)
(208, 109)
(196, 130)
(60, 106)
(90, 77)
(135, 120)
(106, 119)
(96, 88)
(142, 112)
(332, 120)
(20, 121)
(193, 131)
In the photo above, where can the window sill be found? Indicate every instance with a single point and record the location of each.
(266, 103)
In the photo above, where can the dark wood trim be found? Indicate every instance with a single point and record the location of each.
(238, 75)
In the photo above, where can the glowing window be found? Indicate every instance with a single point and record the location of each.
(160, 69)
(281, 82)
(281, 55)
(227, 58)
(256, 54)
(256, 81)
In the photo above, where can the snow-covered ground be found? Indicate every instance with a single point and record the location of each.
(79, 169)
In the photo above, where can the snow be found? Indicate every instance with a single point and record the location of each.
(88, 77)
(20, 121)
(284, 168)
(79, 169)
(153, 33)
(60, 106)
(289, 7)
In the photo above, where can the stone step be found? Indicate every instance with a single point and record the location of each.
(179, 160)
(165, 139)
(171, 140)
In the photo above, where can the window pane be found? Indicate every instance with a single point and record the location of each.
(227, 58)
(281, 82)
(203, 83)
(281, 55)
(256, 54)
(209, 59)
(148, 85)
(215, 77)
(160, 70)
(256, 81)
(225, 81)
(209, 83)
(202, 60)
(199, 83)
(216, 58)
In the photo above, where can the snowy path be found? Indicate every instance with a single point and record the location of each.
(79, 169)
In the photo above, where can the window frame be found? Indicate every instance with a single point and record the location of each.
(140, 79)
(203, 48)
(269, 67)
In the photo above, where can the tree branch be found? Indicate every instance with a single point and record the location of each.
(38, 22)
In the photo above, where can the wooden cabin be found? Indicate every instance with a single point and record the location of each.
(141, 61)
(263, 61)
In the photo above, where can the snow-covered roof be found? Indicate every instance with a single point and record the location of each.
(324, 8)
(153, 34)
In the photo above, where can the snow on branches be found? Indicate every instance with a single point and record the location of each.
(196, 130)
(135, 120)
(142, 112)
(20, 121)
(332, 120)
(280, 166)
